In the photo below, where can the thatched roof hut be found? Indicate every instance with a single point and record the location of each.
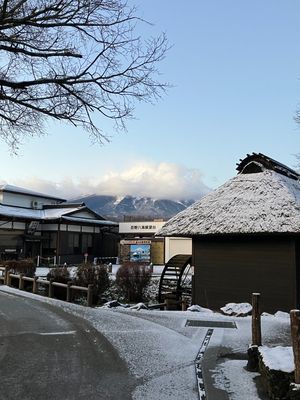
(260, 202)
(246, 233)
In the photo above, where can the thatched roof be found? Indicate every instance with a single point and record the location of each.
(250, 203)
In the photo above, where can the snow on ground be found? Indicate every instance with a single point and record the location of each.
(161, 358)
(238, 383)
(160, 350)
(42, 272)
(238, 309)
(196, 308)
(230, 374)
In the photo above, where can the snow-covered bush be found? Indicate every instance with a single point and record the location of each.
(132, 279)
(61, 275)
(151, 291)
(96, 275)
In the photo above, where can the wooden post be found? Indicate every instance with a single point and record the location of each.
(6, 275)
(21, 282)
(8, 279)
(69, 291)
(57, 253)
(193, 290)
(253, 351)
(168, 302)
(50, 293)
(295, 332)
(35, 285)
(183, 305)
(90, 296)
(256, 324)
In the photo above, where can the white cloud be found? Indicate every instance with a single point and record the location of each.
(164, 180)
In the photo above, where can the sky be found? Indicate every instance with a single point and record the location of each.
(234, 67)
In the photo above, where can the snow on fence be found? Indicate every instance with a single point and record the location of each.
(7, 277)
(286, 382)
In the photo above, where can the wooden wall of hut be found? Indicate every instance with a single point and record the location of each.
(230, 269)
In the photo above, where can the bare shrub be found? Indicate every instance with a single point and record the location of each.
(26, 266)
(96, 275)
(61, 275)
(132, 280)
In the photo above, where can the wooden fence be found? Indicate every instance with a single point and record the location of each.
(6, 276)
(295, 335)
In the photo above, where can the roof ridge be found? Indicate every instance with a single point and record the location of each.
(257, 162)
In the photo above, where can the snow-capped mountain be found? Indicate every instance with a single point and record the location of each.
(116, 207)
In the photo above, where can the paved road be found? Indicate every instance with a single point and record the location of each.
(48, 354)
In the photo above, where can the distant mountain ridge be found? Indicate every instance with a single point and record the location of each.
(116, 207)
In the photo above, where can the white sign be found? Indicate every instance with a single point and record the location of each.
(135, 241)
(140, 227)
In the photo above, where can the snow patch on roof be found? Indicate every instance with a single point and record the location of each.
(90, 221)
(17, 212)
(51, 214)
(54, 213)
(17, 189)
(262, 202)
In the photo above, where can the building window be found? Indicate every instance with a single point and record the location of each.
(73, 243)
(49, 243)
(79, 243)
(87, 243)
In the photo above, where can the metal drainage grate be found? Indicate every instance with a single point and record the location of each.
(211, 324)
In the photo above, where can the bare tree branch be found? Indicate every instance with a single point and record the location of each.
(71, 61)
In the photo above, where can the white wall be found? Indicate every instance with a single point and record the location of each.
(176, 245)
(83, 214)
(69, 228)
(88, 229)
(4, 225)
(24, 200)
(19, 225)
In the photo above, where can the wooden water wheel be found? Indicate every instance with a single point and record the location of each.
(175, 279)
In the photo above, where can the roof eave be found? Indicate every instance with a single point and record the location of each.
(227, 234)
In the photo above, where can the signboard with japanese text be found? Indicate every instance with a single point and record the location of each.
(140, 227)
